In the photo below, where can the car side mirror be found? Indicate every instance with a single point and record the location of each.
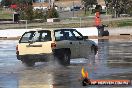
(85, 37)
(79, 38)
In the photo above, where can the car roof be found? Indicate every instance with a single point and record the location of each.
(51, 29)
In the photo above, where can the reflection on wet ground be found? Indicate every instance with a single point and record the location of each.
(112, 62)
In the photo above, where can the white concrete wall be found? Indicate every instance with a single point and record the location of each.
(120, 30)
(89, 31)
(12, 32)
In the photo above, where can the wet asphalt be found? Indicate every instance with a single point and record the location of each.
(113, 61)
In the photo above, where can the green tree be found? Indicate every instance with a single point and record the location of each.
(39, 14)
(88, 3)
(25, 11)
(118, 7)
(29, 2)
(129, 10)
(15, 1)
(52, 13)
(6, 2)
(98, 8)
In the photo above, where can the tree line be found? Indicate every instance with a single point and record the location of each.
(118, 7)
(26, 11)
(115, 7)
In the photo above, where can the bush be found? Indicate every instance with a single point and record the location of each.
(52, 13)
(129, 11)
(39, 14)
(6, 2)
(26, 12)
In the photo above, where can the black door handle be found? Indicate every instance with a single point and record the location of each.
(70, 42)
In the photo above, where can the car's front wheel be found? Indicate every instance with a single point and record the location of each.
(94, 49)
(64, 58)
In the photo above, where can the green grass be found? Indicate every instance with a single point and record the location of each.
(5, 14)
(121, 23)
(125, 23)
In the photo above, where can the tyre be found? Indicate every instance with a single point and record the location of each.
(65, 59)
(28, 63)
(91, 56)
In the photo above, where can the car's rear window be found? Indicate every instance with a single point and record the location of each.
(44, 36)
(39, 36)
(26, 37)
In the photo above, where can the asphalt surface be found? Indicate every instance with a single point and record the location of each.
(113, 61)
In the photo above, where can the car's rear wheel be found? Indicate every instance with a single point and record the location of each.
(28, 63)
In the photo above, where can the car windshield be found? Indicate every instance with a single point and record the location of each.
(39, 36)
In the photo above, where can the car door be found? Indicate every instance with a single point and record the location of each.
(65, 39)
(84, 46)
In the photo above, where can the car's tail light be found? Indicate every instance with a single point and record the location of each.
(17, 48)
(17, 52)
(53, 45)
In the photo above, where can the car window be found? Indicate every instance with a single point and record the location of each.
(45, 36)
(63, 35)
(38, 36)
(58, 35)
(42, 36)
(77, 35)
(26, 37)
